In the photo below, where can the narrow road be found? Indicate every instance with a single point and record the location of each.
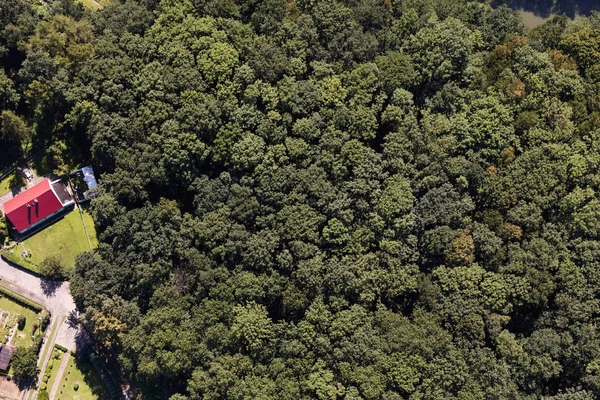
(54, 296)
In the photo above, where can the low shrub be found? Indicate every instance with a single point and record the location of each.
(61, 348)
(43, 395)
(45, 320)
(21, 321)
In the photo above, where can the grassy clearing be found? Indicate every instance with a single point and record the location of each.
(64, 239)
(21, 338)
(10, 182)
(79, 371)
(5, 185)
(95, 4)
(89, 224)
(91, 4)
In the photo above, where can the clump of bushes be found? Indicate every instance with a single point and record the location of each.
(52, 267)
(45, 315)
(21, 321)
(43, 395)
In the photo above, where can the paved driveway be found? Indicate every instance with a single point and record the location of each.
(55, 296)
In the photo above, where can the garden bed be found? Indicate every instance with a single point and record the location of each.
(52, 369)
(9, 316)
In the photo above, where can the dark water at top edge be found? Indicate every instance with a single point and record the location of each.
(547, 8)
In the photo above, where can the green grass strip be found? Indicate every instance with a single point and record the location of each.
(24, 301)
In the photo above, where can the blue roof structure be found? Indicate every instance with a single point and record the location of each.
(89, 177)
(90, 181)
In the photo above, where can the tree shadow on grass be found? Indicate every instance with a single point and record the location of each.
(91, 375)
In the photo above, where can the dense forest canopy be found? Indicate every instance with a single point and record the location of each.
(322, 199)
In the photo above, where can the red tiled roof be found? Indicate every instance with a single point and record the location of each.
(32, 206)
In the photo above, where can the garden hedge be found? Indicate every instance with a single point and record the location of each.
(17, 259)
(24, 301)
(61, 348)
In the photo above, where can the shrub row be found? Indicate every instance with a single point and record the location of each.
(24, 301)
(105, 376)
(17, 259)
(61, 348)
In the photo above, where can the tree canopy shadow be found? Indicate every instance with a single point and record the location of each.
(546, 8)
(91, 376)
(24, 383)
(49, 287)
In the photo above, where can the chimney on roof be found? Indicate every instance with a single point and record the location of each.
(28, 205)
(35, 201)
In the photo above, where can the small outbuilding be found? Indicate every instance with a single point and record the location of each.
(84, 182)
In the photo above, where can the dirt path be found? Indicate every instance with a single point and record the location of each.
(61, 371)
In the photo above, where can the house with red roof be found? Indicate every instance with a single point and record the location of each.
(37, 205)
(6, 352)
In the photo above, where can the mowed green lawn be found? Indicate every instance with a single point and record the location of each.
(5, 185)
(82, 373)
(64, 239)
(10, 182)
